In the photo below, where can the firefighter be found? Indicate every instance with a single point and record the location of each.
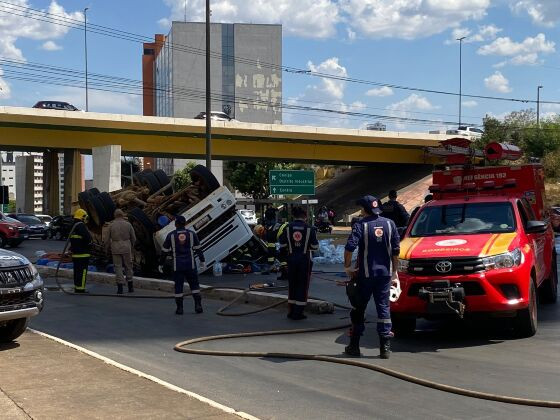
(296, 242)
(80, 245)
(378, 246)
(395, 211)
(183, 244)
(271, 226)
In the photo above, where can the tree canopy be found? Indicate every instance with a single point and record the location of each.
(251, 178)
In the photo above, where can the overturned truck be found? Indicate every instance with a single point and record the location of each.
(208, 208)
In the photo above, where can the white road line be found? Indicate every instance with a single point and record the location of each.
(172, 387)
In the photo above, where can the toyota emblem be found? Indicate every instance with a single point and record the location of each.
(10, 278)
(443, 267)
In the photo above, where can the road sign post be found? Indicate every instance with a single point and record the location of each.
(290, 182)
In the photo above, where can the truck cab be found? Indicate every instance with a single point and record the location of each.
(484, 245)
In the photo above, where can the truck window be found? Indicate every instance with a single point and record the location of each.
(467, 218)
(528, 209)
(522, 214)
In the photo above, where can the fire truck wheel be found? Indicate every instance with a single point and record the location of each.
(12, 329)
(109, 205)
(548, 292)
(403, 326)
(97, 211)
(200, 173)
(526, 319)
(163, 180)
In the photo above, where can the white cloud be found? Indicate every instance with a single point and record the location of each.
(382, 91)
(101, 101)
(470, 104)
(306, 18)
(404, 108)
(330, 88)
(484, 33)
(497, 82)
(542, 12)
(51, 46)
(351, 34)
(525, 53)
(410, 19)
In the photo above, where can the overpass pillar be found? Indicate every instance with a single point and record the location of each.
(73, 179)
(107, 167)
(25, 184)
(51, 181)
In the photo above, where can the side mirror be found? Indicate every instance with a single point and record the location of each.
(536, 226)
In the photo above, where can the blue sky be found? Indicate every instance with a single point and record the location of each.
(510, 50)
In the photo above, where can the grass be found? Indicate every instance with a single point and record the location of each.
(552, 194)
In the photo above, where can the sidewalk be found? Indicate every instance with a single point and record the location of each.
(44, 379)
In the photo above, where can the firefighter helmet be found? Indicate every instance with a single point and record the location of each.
(81, 215)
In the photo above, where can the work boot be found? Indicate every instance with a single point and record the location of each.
(179, 302)
(119, 289)
(80, 291)
(297, 313)
(130, 287)
(384, 347)
(198, 303)
(353, 349)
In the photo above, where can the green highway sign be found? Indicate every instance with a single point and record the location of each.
(287, 182)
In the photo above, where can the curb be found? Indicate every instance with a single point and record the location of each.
(145, 283)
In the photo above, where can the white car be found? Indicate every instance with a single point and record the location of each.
(466, 131)
(215, 116)
(45, 218)
(249, 216)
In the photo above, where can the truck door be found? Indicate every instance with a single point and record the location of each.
(537, 240)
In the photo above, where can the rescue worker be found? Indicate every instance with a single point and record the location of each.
(120, 241)
(296, 242)
(80, 245)
(271, 228)
(395, 211)
(378, 246)
(183, 244)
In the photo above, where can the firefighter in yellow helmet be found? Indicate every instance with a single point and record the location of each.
(80, 244)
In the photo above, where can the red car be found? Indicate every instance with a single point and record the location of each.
(11, 232)
(483, 251)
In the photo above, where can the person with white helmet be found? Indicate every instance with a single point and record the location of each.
(80, 245)
(378, 244)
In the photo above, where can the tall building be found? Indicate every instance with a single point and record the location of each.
(246, 75)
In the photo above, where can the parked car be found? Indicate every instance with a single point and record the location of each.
(9, 232)
(45, 218)
(249, 216)
(58, 105)
(555, 218)
(35, 227)
(215, 116)
(60, 227)
(21, 294)
(466, 131)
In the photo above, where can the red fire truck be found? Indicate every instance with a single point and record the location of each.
(484, 245)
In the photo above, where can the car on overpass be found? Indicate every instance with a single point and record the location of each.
(215, 116)
(466, 131)
(58, 105)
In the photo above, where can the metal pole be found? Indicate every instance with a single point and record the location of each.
(539, 106)
(460, 75)
(208, 101)
(85, 49)
(185, 11)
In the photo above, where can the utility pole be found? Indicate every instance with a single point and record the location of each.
(185, 11)
(538, 106)
(208, 99)
(85, 49)
(460, 74)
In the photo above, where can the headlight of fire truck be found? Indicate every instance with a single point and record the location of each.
(403, 265)
(505, 260)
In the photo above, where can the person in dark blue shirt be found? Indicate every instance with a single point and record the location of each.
(378, 244)
(183, 245)
(297, 241)
(395, 211)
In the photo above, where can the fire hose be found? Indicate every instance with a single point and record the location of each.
(185, 347)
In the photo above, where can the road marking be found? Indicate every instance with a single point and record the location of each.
(146, 376)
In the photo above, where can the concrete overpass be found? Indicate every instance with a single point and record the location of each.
(73, 132)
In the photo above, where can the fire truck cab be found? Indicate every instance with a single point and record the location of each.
(484, 245)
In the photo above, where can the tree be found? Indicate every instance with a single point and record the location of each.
(251, 178)
(182, 177)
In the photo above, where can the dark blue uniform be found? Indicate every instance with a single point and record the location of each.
(296, 242)
(377, 241)
(183, 245)
(395, 211)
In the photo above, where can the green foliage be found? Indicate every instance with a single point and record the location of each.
(182, 177)
(128, 164)
(551, 164)
(11, 206)
(251, 178)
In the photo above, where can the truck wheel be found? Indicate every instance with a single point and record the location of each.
(12, 330)
(403, 326)
(138, 178)
(2, 241)
(201, 173)
(97, 211)
(94, 191)
(83, 200)
(548, 292)
(163, 180)
(108, 204)
(526, 319)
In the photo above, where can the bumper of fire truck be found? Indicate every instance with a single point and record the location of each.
(498, 292)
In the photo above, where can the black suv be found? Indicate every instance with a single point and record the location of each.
(61, 106)
(36, 228)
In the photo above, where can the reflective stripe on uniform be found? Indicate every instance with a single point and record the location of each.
(384, 321)
(305, 250)
(75, 236)
(291, 301)
(81, 255)
(84, 274)
(165, 249)
(174, 252)
(195, 291)
(289, 236)
(191, 238)
(300, 303)
(389, 249)
(366, 246)
(178, 295)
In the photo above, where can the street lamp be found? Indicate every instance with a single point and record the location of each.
(85, 49)
(538, 105)
(208, 101)
(460, 74)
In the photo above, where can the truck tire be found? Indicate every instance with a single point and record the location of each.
(94, 191)
(200, 172)
(403, 326)
(525, 323)
(109, 205)
(97, 211)
(548, 292)
(12, 330)
(83, 200)
(138, 178)
(163, 180)
(137, 214)
(151, 182)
